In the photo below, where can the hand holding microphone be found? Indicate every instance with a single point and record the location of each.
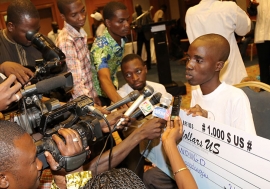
(153, 101)
(147, 91)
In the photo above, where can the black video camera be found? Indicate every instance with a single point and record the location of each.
(53, 61)
(88, 129)
(30, 109)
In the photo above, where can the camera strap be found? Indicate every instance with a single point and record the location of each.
(70, 163)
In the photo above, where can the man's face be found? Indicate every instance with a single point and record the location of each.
(118, 26)
(18, 31)
(201, 65)
(134, 73)
(75, 14)
(28, 166)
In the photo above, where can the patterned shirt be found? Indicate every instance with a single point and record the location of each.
(106, 53)
(74, 45)
(75, 180)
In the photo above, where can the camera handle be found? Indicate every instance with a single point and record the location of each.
(70, 163)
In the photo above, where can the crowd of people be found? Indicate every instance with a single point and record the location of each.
(213, 65)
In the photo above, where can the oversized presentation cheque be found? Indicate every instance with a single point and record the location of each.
(218, 156)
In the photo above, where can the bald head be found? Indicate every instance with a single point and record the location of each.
(216, 43)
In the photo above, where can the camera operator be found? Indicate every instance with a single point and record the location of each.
(8, 92)
(22, 16)
(18, 153)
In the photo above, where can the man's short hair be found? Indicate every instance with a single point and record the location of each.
(61, 4)
(219, 43)
(130, 57)
(111, 7)
(10, 131)
(19, 8)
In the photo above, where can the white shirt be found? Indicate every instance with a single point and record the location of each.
(100, 30)
(159, 14)
(262, 29)
(228, 105)
(126, 89)
(52, 36)
(224, 18)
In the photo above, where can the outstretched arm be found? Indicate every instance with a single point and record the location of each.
(149, 130)
(170, 137)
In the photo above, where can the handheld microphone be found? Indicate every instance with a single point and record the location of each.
(44, 85)
(130, 97)
(153, 100)
(147, 91)
(162, 111)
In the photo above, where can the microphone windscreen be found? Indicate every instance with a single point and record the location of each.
(51, 83)
(155, 98)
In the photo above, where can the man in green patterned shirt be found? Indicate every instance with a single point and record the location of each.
(107, 51)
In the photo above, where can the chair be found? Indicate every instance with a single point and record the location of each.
(260, 106)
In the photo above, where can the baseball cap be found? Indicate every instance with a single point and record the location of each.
(97, 16)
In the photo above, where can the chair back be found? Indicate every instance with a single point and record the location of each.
(260, 106)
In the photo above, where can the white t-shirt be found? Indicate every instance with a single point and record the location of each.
(52, 36)
(224, 18)
(226, 104)
(100, 30)
(126, 89)
(159, 14)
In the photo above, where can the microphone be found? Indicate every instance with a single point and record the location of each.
(162, 111)
(153, 100)
(44, 86)
(95, 111)
(151, 7)
(147, 91)
(130, 97)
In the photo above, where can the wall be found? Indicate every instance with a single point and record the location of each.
(175, 9)
(144, 3)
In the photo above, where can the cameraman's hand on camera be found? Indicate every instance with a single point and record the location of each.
(9, 94)
(173, 132)
(152, 128)
(22, 74)
(113, 118)
(71, 147)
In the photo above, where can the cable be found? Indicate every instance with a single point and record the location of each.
(111, 140)
(142, 155)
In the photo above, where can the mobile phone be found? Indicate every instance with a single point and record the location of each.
(176, 106)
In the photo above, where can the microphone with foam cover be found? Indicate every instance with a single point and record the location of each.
(44, 86)
(130, 97)
(163, 111)
(153, 100)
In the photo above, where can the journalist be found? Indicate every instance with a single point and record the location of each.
(18, 153)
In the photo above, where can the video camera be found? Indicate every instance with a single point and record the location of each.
(88, 129)
(53, 61)
(31, 108)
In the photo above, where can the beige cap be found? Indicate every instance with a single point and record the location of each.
(97, 16)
